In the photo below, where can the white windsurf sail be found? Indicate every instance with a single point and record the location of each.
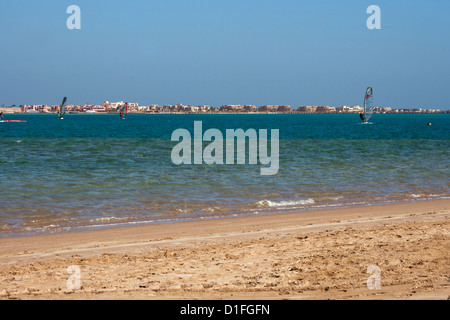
(124, 110)
(368, 105)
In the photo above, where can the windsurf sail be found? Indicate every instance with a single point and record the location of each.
(368, 105)
(62, 108)
(1, 119)
(124, 110)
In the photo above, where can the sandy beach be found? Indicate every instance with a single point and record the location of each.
(305, 255)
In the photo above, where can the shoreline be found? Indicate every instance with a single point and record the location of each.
(221, 112)
(306, 255)
(120, 223)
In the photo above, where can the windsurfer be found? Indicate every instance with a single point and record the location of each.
(362, 117)
(1, 114)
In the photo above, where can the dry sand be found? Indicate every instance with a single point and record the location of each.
(305, 255)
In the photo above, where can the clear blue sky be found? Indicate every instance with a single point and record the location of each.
(226, 52)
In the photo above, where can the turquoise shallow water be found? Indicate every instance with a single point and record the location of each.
(90, 171)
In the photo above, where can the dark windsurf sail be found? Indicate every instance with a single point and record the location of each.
(62, 108)
(124, 110)
(368, 105)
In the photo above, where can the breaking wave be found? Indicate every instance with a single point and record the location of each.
(284, 204)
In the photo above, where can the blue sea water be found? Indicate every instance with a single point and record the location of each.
(93, 171)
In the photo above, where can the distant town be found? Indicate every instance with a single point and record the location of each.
(114, 107)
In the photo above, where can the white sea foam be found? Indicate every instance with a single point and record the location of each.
(105, 219)
(291, 203)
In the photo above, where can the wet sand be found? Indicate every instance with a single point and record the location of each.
(305, 255)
